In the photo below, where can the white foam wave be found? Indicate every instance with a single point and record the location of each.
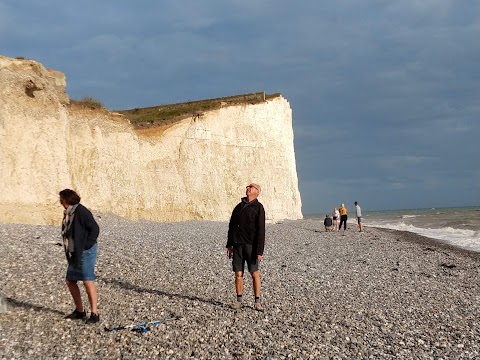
(408, 216)
(467, 239)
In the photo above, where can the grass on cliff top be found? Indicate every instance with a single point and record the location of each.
(88, 102)
(167, 114)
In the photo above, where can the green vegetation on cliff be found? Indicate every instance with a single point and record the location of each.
(166, 114)
(88, 102)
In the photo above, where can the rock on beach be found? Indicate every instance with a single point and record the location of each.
(380, 294)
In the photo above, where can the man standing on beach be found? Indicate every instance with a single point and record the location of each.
(246, 241)
(343, 217)
(358, 213)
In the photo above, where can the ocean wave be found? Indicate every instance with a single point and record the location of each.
(464, 238)
(408, 216)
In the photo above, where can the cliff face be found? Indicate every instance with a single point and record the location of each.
(193, 169)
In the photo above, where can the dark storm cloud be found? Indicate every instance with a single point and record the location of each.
(384, 94)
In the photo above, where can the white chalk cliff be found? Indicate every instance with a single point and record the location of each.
(194, 169)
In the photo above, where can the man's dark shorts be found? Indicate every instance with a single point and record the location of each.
(244, 253)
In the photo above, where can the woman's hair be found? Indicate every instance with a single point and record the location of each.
(70, 196)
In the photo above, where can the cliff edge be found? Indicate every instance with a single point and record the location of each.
(195, 168)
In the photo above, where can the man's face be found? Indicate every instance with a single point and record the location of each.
(252, 190)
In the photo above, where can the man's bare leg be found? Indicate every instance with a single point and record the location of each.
(256, 283)
(239, 282)
(256, 290)
(239, 289)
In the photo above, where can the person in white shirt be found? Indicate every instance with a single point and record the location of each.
(358, 213)
(336, 217)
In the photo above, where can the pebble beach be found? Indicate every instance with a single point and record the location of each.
(379, 294)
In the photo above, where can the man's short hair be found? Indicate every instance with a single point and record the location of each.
(256, 186)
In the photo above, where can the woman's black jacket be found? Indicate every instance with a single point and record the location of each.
(85, 232)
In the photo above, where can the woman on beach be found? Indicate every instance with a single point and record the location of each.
(343, 217)
(80, 232)
(335, 216)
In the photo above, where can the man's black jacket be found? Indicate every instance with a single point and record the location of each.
(247, 225)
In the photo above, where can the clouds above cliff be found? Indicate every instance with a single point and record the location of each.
(385, 94)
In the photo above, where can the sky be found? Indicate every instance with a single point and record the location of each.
(385, 94)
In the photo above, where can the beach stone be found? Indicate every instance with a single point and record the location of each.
(325, 295)
(3, 304)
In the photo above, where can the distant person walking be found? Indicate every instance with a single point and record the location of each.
(328, 223)
(343, 217)
(336, 217)
(80, 232)
(246, 241)
(358, 214)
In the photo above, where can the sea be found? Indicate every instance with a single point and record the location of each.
(456, 226)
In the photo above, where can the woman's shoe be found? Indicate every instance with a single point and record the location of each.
(94, 318)
(77, 315)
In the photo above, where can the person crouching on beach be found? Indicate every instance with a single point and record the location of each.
(328, 223)
(246, 242)
(80, 232)
(343, 217)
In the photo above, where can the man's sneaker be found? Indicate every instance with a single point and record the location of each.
(77, 315)
(237, 305)
(258, 306)
(94, 318)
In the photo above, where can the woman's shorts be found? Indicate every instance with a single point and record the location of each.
(359, 219)
(86, 272)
